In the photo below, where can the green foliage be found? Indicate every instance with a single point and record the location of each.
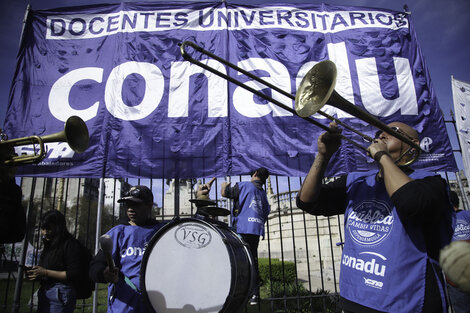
(276, 270)
(286, 294)
(278, 289)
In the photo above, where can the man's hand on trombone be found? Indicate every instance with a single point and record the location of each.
(376, 147)
(329, 142)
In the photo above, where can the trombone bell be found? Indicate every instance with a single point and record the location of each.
(315, 89)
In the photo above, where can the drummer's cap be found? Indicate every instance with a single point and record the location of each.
(139, 193)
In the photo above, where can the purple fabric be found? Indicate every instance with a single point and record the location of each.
(150, 113)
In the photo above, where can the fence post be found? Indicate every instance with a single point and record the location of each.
(97, 236)
(24, 250)
(462, 191)
(177, 196)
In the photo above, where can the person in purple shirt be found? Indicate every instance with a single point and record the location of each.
(459, 300)
(129, 242)
(396, 220)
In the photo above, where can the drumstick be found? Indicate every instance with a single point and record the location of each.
(106, 244)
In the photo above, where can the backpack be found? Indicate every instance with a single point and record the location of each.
(85, 285)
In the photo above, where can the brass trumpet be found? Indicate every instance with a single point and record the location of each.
(315, 90)
(75, 133)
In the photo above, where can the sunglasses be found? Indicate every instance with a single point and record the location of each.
(137, 193)
(394, 128)
(133, 193)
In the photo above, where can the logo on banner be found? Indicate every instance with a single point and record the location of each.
(370, 222)
(193, 236)
(54, 150)
(57, 153)
(425, 144)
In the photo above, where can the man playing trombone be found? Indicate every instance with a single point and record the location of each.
(396, 221)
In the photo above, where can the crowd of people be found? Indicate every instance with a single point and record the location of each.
(396, 222)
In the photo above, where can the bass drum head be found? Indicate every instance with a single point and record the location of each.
(187, 268)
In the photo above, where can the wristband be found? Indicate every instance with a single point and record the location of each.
(379, 155)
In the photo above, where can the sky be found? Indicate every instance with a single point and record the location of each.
(440, 26)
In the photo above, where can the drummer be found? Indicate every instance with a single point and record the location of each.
(129, 241)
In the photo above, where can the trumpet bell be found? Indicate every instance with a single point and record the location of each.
(315, 89)
(75, 133)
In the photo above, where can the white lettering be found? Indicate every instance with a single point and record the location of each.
(154, 84)
(255, 220)
(82, 26)
(132, 251)
(373, 96)
(462, 228)
(178, 99)
(54, 150)
(244, 101)
(59, 103)
(338, 54)
(373, 283)
(370, 267)
(371, 217)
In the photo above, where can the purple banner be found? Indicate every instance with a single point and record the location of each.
(152, 114)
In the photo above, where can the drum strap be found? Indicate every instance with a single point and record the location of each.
(132, 285)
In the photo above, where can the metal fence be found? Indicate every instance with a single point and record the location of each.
(302, 247)
(299, 256)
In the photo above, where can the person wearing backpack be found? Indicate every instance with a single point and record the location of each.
(60, 269)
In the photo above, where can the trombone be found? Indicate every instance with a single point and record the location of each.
(75, 133)
(315, 90)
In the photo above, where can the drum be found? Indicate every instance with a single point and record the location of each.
(195, 265)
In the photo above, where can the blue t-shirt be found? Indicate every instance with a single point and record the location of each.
(462, 226)
(129, 244)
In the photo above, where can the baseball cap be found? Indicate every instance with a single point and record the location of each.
(138, 193)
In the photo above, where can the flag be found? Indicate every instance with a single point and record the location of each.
(461, 97)
(151, 113)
